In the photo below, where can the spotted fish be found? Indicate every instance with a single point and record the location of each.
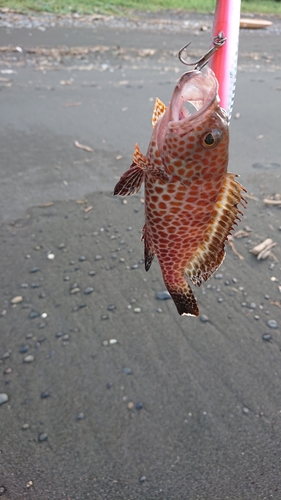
(191, 201)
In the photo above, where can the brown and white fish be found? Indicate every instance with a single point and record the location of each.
(191, 201)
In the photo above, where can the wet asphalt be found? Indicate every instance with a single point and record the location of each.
(111, 395)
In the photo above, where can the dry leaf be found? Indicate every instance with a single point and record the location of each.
(88, 209)
(82, 146)
(241, 234)
(234, 250)
(48, 204)
(267, 201)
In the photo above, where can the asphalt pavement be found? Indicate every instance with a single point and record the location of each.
(108, 393)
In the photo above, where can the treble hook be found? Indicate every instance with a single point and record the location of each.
(218, 41)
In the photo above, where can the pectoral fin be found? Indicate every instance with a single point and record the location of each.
(158, 111)
(132, 179)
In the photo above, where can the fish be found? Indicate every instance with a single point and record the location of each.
(191, 200)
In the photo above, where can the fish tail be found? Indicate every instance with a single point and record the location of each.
(183, 298)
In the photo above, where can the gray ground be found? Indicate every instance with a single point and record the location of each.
(178, 408)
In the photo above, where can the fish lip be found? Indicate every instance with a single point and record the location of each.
(190, 84)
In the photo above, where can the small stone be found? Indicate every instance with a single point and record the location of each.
(51, 256)
(34, 270)
(44, 315)
(272, 323)
(112, 341)
(66, 278)
(3, 398)
(88, 290)
(80, 416)
(82, 258)
(42, 437)
(34, 314)
(142, 479)
(91, 273)
(204, 318)
(45, 394)
(218, 276)
(134, 266)
(65, 337)
(41, 325)
(266, 337)
(163, 295)
(98, 257)
(246, 410)
(220, 299)
(104, 317)
(130, 405)
(139, 406)
(111, 307)
(29, 358)
(35, 285)
(24, 285)
(8, 371)
(75, 290)
(6, 355)
(252, 305)
(137, 310)
(61, 246)
(2, 490)
(17, 300)
(24, 349)
(25, 427)
(59, 334)
(127, 371)
(105, 342)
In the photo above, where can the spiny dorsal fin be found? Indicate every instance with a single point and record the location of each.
(158, 111)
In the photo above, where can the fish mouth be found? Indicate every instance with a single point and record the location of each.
(195, 89)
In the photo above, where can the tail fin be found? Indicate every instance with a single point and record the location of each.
(183, 298)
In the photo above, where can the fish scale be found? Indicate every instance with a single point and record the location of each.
(191, 201)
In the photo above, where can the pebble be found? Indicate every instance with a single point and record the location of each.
(142, 479)
(75, 290)
(42, 437)
(17, 300)
(252, 305)
(82, 258)
(51, 256)
(29, 358)
(59, 334)
(34, 314)
(139, 406)
(2, 490)
(3, 398)
(130, 405)
(66, 278)
(272, 323)
(137, 310)
(163, 295)
(88, 290)
(24, 349)
(112, 341)
(34, 270)
(105, 342)
(25, 427)
(8, 371)
(98, 257)
(104, 317)
(91, 273)
(134, 266)
(204, 318)
(45, 394)
(111, 307)
(80, 416)
(66, 337)
(266, 337)
(127, 371)
(246, 410)
(24, 285)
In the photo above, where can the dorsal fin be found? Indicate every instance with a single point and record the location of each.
(158, 111)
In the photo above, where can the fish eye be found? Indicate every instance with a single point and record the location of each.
(211, 139)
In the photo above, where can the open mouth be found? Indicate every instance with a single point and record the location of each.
(192, 96)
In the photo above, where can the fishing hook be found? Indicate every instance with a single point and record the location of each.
(218, 41)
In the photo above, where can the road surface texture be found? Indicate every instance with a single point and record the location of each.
(106, 393)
